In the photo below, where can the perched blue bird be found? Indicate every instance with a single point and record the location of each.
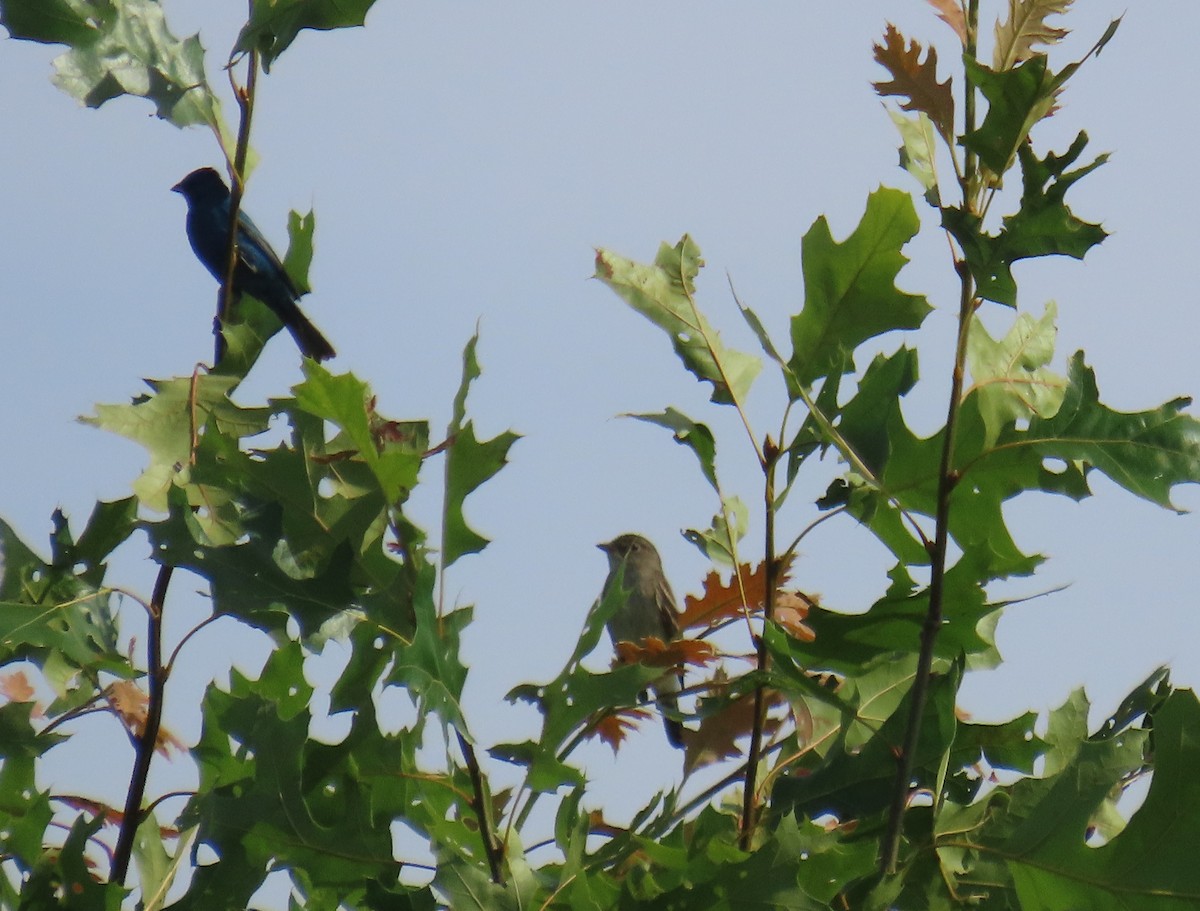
(259, 271)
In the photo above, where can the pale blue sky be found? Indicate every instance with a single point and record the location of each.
(465, 158)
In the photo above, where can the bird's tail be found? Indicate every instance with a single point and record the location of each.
(308, 337)
(665, 694)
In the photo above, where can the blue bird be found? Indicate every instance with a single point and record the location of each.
(259, 271)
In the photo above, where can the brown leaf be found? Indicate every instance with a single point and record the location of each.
(1025, 27)
(615, 727)
(790, 611)
(15, 687)
(951, 12)
(915, 80)
(721, 601)
(656, 653)
(130, 704)
(716, 738)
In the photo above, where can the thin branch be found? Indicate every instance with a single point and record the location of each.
(237, 172)
(145, 745)
(480, 805)
(771, 570)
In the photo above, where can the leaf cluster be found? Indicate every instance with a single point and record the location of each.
(808, 724)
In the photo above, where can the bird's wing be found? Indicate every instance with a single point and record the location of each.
(668, 615)
(258, 256)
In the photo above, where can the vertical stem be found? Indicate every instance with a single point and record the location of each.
(889, 853)
(750, 795)
(971, 162)
(227, 294)
(145, 744)
(480, 806)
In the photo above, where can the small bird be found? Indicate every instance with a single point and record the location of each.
(259, 271)
(648, 610)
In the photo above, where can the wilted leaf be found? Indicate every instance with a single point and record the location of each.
(657, 653)
(14, 687)
(614, 728)
(915, 80)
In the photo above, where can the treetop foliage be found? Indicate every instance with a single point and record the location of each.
(828, 764)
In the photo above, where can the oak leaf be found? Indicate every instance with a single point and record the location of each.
(615, 727)
(915, 80)
(1024, 28)
(725, 601)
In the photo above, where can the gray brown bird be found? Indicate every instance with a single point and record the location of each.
(648, 609)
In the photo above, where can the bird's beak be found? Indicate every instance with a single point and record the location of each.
(178, 188)
(606, 546)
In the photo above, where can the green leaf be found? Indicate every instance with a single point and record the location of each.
(918, 152)
(1146, 452)
(665, 294)
(1043, 225)
(850, 293)
(1148, 864)
(50, 21)
(695, 436)
(857, 783)
(719, 543)
(132, 52)
(1010, 375)
(167, 423)
(274, 24)
(469, 463)
(347, 401)
(1017, 99)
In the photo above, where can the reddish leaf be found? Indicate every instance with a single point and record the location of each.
(790, 610)
(716, 738)
(130, 705)
(915, 80)
(951, 12)
(615, 727)
(656, 653)
(15, 687)
(721, 601)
